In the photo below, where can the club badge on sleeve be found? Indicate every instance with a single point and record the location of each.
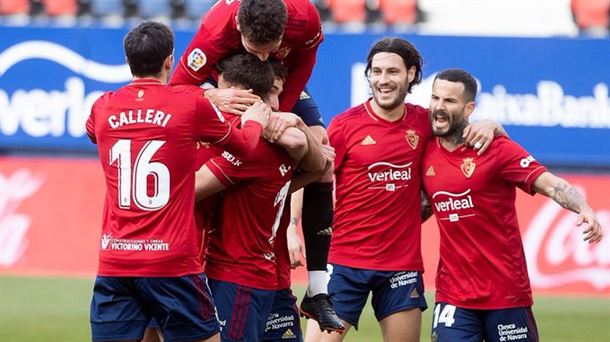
(197, 59)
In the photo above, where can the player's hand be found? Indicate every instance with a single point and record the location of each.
(593, 230)
(479, 135)
(258, 112)
(232, 100)
(278, 123)
(296, 251)
(329, 153)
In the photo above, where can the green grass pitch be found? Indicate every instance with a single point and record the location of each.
(57, 309)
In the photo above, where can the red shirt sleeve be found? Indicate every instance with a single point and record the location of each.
(212, 126)
(90, 124)
(300, 62)
(230, 169)
(336, 139)
(517, 165)
(216, 38)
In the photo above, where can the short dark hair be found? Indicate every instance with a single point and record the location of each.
(147, 46)
(279, 70)
(461, 76)
(409, 54)
(248, 71)
(262, 21)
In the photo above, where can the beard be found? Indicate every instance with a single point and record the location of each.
(455, 123)
(394, 103)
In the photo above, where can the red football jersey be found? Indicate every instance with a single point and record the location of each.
(218, 38)
(146, 134)
(482, 263)
(241, 250)
(377, 222)
(282, 257)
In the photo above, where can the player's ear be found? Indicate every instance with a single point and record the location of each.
(168, 63)
(469, 109)
(237, 23)
(411, 74)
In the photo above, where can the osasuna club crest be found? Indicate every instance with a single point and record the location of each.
(412, 138)
(468, 167)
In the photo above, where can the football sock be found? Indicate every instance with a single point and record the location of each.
(317, 283)
(317, 219)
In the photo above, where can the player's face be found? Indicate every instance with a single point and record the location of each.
(448, 108)
(262, 51)
(274, 94)
(389, 80)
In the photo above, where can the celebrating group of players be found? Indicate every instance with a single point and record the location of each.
(195, 242)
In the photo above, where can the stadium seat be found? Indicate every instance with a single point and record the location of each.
(196, 9)
(154, 8)
(14, 7)
(323, 10)
(398, 11)
(101, 8)
(55, 8)
(591, 14)
(348, 11)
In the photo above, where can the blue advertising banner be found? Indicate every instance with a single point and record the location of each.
(551, 94)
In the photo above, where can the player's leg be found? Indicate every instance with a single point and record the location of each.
(398, 301)
(283, 322)
(350, 290)
(242, 310)
(116, 313)
(314, 334)
(153, 332)
(515, 324)
(451, 323)
(182, 306)
(317, 217)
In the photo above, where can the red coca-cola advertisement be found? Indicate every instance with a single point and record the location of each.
(50, 217)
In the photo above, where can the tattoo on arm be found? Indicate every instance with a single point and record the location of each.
(568, 197)
(294, 220)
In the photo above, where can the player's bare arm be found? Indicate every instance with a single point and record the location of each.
(314, 160)
(278, 123)
(304, 178)
(480, 134)
(296, 249)
(562, 192)
(258, 112)
(206, 183)
(232, 100)
(294, 142)
(426, 207)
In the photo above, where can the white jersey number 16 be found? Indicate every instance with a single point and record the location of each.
(135, 183)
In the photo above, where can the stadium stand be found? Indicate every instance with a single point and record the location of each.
(195, 9)
(348, 11)
(154, 9)
(485, 17)
(15, 12)
(56, 8)
(592, 16)
(15, 7)
(106, 8)
(398, 12)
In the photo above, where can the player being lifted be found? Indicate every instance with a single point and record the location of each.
(241, 260)
(290, 31)
(482, 282)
